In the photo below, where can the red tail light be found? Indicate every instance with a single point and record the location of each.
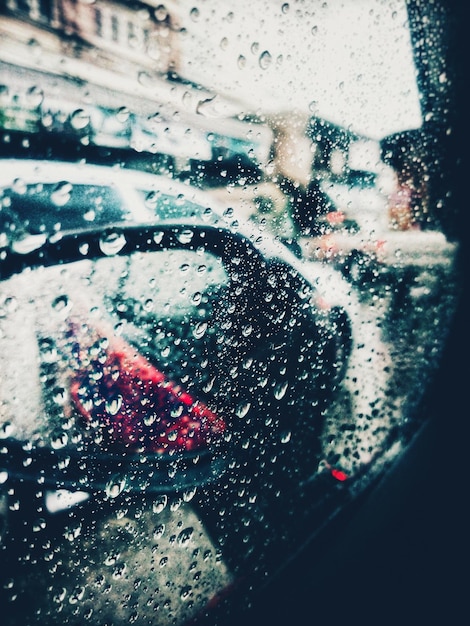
(117, 388)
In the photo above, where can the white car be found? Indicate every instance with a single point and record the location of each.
(359, 238)
(41, 197)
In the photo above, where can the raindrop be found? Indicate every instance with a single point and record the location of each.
(185, 236)
(79, 119)
(122, 114)
(112, 243)
(247, 330)
(111, 558)
(115, 487)
(208, 107)
(151, 201)
(189, 494)
(59, 441)
(77, 595)
(200, 330)
(241, 62)
(3, 477)
(84, 248)
(161, 12)
(39, 525)
(194, 14)
(89, 216)
(150, 418)
(59, 395)
(35, 96)
(185, 536)
(207, 214)
(159, 531)
(243, 409)
(61, 194)
(113, 405)
(286, 436)
(148, 305)
(285, 7)
(186, 592)
(157, 237)
(265, 60)
(7, 429)
(62, 304)
(280, 390)
(159, 504)
(19, 186)
(119, 571)
(71, 533)
(175, 504)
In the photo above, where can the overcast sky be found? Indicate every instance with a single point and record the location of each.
(348, 61)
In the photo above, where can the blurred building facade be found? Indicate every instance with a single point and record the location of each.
(142, 37)
(139, 32)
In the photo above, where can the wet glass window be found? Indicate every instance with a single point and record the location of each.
(228, 269)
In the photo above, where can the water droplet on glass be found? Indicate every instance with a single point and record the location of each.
(185, 536)
(186, 592)
(119, 571)
(194, 14)
(61, 194)
(159, 504)
(39, 525)
(286, 436)
(200, 330)
(151, 201)
(265, 60)
(59, 395)
(113, 405)
(280, 390)
(241, 61)
(247, 330)
(122, 114)
(62, 304)
(79, 119)
(48, 350)
(112, 243)
(89, 216)
(7, 429)
(159, 531)
(84, 248)
(115, 487)
(72, 532)
(59, 441)
(35, 96)
(243, 409)
(185, 236)
(189, 494)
